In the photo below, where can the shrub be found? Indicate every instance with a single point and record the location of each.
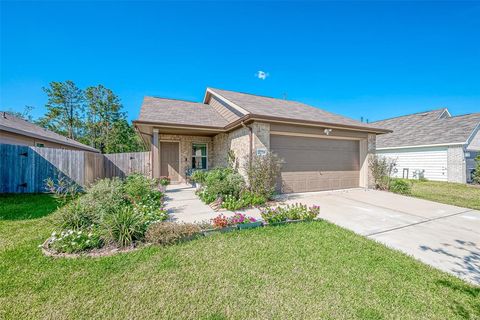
(206, 195)
(164, 181)
(476, 172)
(199, 176)
(62, 189)
(77, 215)
(102, 198)
(400, 186)
(72, 241)
(246, 199)
(290, 212)
(262, 173)
(221, 182)
(253, 199)
(105, 196)
(124, 227)
(231, 203)
(170, 232)
(137, 186)
(381, 169)
(151, 213)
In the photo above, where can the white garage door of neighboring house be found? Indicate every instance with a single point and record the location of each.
(316, 164)
(432, 161)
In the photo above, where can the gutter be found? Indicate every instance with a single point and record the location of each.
(251, 117)
(423, 146)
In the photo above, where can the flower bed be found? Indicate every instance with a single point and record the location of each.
(111, 214)
(227, 187)
(290, 213)
(134, 225)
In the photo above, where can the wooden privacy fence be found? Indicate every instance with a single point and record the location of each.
(24, 169)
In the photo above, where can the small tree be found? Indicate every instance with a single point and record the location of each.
(476, 172)
(381, 169)
(262, 173)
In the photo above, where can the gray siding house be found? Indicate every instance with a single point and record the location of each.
(320, 150)
(433, 144)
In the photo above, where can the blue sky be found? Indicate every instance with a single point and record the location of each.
(370, 59)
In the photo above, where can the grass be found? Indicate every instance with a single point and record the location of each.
(457, 194)
(26, 206)
(300, 271)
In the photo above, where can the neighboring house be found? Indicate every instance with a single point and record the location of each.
(14, 130)
(432, 144)
(320, 150)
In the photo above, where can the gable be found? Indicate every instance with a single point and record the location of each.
(224, 109)
(474, 144)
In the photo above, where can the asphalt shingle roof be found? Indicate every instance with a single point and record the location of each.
(180, 112)
(426, 128)
(273, 107)
(9, 122)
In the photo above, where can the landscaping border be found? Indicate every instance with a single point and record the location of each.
(113, 250)
(94, 253)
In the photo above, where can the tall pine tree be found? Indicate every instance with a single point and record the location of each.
(103, 111)
(65, 109)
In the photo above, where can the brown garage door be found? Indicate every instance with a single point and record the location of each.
(315, 164)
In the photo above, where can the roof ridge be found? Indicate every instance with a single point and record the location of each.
(174, 99)
(295, 101)
(255, 95)
(412, 114)
(464, 115)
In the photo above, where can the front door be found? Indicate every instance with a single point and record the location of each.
(169, 162)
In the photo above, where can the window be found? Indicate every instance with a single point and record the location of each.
(199, 156)
(41, 145)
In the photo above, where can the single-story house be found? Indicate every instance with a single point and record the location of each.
(320, 150)
(434, 145)
(14, 130)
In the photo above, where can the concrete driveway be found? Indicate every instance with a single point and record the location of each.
(443, 236)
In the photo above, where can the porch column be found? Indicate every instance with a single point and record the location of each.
(155, 147)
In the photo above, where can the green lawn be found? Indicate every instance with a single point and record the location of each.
(445, 192)
(300, 271)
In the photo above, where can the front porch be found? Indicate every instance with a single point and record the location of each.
(178, 154)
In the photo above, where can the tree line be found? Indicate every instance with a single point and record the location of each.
(92, 116)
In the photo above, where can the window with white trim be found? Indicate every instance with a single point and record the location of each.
(199, 156)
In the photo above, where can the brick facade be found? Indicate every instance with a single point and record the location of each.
(185, 144)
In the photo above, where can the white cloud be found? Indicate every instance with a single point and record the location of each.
(262, 75)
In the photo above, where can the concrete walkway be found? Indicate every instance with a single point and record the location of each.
(185, 206)
(443, 236)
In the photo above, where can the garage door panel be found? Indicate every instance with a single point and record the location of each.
(316, 181)
(314, 164)
(303, 160)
